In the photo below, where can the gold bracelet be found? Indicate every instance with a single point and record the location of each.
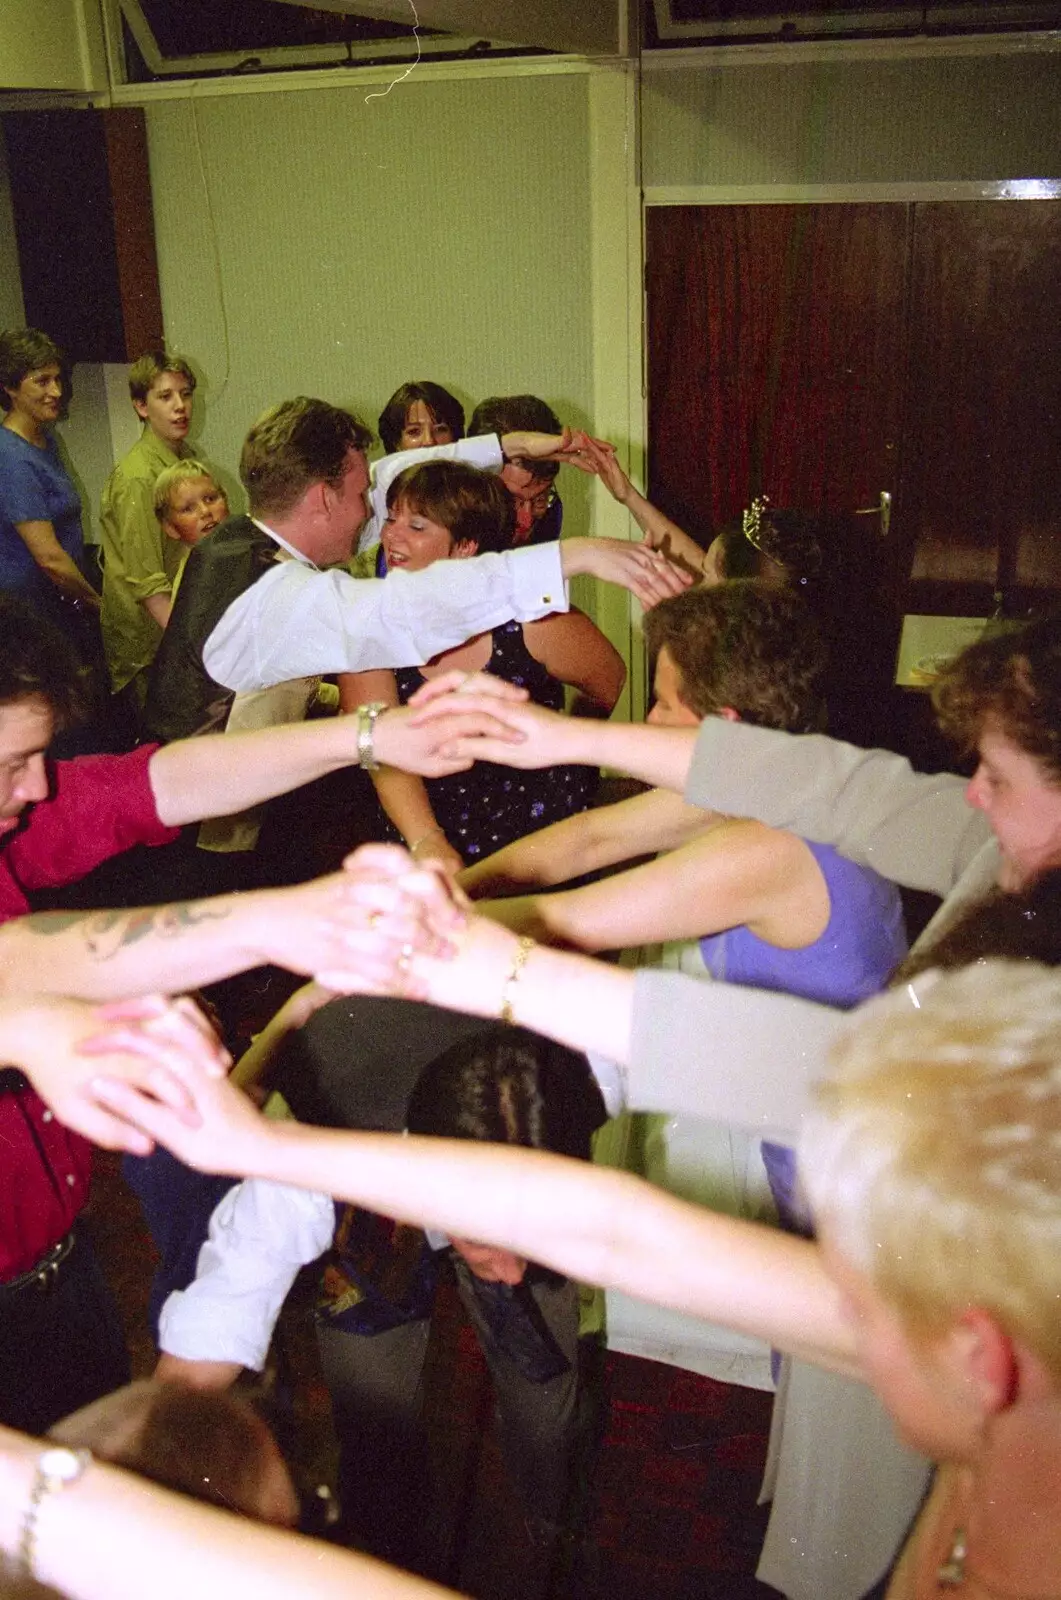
(508, 988)
(424, 837)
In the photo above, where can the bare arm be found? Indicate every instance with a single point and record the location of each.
(158, 607)
(540, 738)
(114, 1536)
(208, 777)
(109, 955)
(403, 795)
(738, 874)
(39, 539)
(660, 532)
(658, 820)
(592, 1224)
(573, 650)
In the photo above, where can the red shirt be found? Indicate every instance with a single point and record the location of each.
(99, 806)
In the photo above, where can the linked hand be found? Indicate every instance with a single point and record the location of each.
(148, 1045)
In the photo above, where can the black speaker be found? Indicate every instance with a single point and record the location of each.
(81, 197)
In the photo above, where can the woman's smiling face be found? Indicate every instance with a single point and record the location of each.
(412, 541)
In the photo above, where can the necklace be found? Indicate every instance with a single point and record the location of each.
(952, 1572)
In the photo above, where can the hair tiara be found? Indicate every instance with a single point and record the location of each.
(750, 521)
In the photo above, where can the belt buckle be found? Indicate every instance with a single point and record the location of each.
(47, 1277)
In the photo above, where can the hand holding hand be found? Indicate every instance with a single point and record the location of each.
(404, 740)
(534, 737)
(223, 1134)
(356, 921)
(402, 909)
(147, 1044)
(598, 456)
(648, 575)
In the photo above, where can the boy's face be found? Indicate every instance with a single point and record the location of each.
(168, 408)
(670, 709)
(195, 506)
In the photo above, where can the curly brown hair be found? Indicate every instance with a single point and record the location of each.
(747, 645)
(1013, 681)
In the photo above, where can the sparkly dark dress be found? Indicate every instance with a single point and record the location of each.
(489, 806)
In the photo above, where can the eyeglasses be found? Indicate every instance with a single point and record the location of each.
(538, 503)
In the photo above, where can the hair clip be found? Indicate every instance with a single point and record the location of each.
(751, 519)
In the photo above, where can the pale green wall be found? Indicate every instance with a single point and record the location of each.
(938, 119)
(439, 232)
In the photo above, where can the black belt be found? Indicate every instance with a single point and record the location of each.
(42, 1277)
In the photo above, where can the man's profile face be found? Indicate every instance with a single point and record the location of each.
(348, 508)
(490, 1263)
(670, 709)
(26, 728)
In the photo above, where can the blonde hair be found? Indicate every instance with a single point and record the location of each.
(934, 1158)
(169, 477)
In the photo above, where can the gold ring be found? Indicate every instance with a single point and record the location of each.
(375, 918)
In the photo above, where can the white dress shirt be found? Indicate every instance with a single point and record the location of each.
(261, 1234)
(298, 621)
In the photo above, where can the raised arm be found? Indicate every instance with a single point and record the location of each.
(739, 873)
(870, 804)
(107, 955)
(592, 1224)
(207, 777)
(600, 837)
(296, 621)
(659, 531)
(659, 756)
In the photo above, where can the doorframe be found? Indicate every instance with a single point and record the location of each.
(766, 194)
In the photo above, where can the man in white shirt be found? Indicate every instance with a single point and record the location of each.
(258, 605)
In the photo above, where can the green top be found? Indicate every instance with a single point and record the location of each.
(139, 561)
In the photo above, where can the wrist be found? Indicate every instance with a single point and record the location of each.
(367, 716)
(520, 956)
(18, 1458)
(422, 838)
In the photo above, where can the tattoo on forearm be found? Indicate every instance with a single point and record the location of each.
(107, 933)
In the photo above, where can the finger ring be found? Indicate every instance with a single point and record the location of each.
(405, 958)
(375, 918)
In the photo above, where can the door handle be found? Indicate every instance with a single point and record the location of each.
(883, 510)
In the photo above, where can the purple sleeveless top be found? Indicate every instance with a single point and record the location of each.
(863, 943)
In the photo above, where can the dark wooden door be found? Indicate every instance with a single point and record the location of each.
(823, 353)
(776, 356)
(980, 509)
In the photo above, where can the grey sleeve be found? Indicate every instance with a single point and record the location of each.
(870, 804)
(735, 1055)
